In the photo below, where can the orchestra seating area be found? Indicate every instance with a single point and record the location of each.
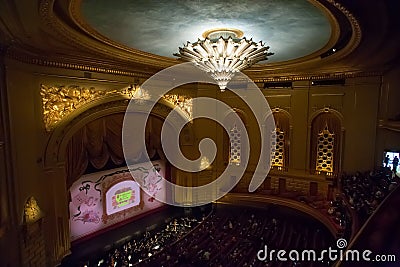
(228, 234)
(234, 235)
(149, 243)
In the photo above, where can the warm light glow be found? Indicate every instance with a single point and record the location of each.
(278, 148)
(325, 151)
(222, 53)
(32, 212)
(205, 163)
(59, 101)
(185, 103)
(236, 147)
(140, 95)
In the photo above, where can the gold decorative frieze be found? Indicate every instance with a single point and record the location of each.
(59, 101)
(185, 103)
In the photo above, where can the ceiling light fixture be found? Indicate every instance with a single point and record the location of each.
(222, 53)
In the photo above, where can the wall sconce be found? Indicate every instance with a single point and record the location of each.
(32, 211)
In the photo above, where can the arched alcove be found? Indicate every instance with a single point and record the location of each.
(326, 138)
(231, 121)
(281, 135)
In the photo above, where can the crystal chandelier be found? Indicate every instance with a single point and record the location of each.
(223, 52)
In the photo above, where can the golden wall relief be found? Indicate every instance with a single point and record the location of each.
(185, 103)
(60, 101)
(32, 211)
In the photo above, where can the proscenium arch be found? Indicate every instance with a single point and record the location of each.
(54, 151)
(54, 165)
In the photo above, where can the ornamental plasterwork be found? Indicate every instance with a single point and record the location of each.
(60, 101)
(185, 103)
(32, 211)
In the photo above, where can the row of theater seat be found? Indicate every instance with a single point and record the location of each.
(233, 239)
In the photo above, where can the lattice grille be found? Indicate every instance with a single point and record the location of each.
(278, 148)
(325, 151)
(235, 150)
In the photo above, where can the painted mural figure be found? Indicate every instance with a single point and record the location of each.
(99, 200)
(88, 216)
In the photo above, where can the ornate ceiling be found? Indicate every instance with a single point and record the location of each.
(292, 28)
(137, 38)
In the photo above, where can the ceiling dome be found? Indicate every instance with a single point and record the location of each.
(292, 28)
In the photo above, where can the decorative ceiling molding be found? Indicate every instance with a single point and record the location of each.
(94, 55)
(275, 76)
(311, 60)
(322, 76)
(68, 63)
(356, 30)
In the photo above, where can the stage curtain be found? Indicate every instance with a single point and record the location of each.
(113, 138)
(100, 141)
(319, 123)
(97, 142)
(95, 145)
(76, 158)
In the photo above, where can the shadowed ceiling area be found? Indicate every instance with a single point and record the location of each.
(292, 28)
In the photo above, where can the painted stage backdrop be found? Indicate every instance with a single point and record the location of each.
(99, 200)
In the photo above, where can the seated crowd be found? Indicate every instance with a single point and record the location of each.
(233, 239)
(224, 238)
(149, 243)
(365, 191)
(341, 216)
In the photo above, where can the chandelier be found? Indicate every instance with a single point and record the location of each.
(222, 53)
